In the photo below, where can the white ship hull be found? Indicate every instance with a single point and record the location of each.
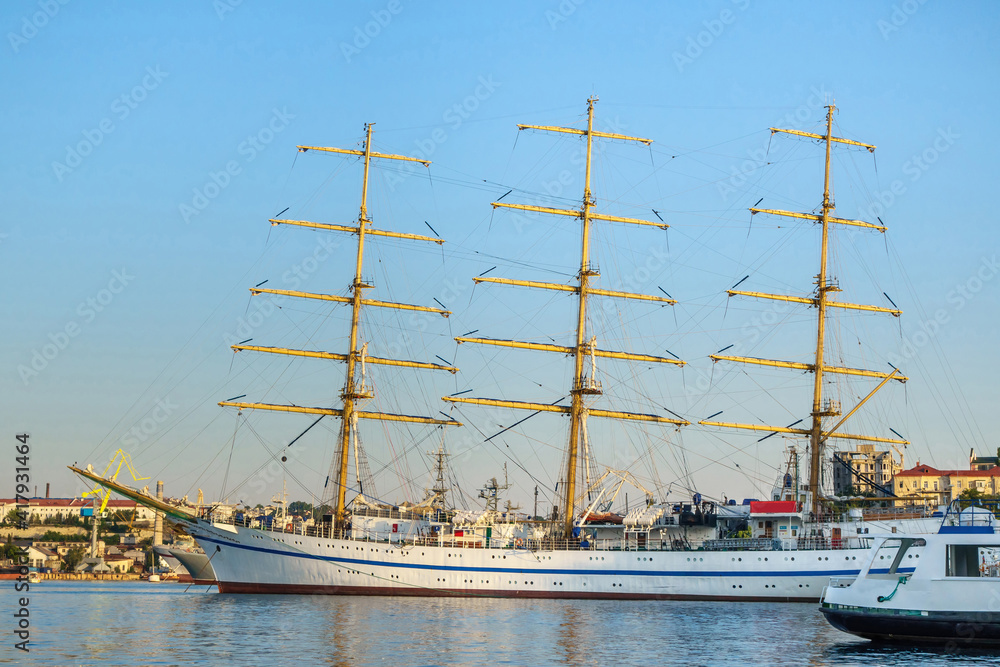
(248, 560)
(168, 559)
(196, 564)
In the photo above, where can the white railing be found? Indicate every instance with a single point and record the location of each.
(630, 541)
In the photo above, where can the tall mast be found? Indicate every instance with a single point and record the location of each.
(578, 390)
(354, 390)
(824, 285)
(583, 385)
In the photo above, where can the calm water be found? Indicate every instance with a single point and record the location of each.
(76, 623)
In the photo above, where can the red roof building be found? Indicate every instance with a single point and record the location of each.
(927, 485)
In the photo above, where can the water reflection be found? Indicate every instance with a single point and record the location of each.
(139, 623)
(880, 653)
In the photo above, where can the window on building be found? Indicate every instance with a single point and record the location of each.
(925, 485)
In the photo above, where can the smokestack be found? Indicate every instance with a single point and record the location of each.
(46, 489)
(158, 521)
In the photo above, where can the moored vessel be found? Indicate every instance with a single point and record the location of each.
(928, 589)
(197, 564)
(783, 549)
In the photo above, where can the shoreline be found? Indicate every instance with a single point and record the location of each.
(81, 576)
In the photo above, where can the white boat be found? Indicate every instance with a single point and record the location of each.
(659, 550)
(939, 589)
(154, 578)
(193, 559)
(187, 559)
(167, 559)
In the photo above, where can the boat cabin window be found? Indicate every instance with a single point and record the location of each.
(905, 544)
(973, 560)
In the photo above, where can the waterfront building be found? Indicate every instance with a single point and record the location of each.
(865, 471)
(925, 485)
(40, 557)
(40, 509)
(982, 462)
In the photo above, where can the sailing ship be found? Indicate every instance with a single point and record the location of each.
(659, 550)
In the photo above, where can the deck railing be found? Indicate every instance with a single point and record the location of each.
(628, 542)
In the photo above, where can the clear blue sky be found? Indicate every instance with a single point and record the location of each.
(146, 145)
